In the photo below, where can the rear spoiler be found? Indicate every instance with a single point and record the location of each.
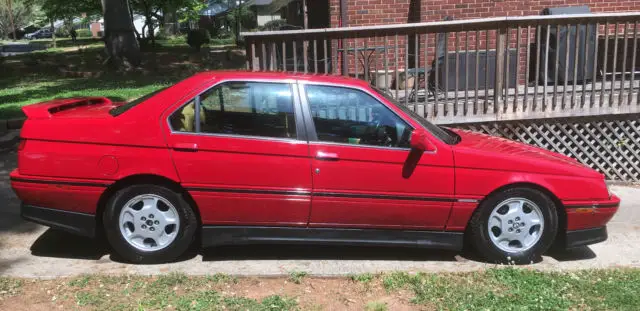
(45, 110)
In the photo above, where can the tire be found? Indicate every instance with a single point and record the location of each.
(529, 242)
(178, 230)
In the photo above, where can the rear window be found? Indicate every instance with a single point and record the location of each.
(124, 108)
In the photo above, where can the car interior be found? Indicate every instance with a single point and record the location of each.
(240, 108)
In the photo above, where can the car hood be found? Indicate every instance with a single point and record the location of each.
(480, 151)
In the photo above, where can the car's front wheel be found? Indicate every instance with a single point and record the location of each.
(149, 224)
(514, 226)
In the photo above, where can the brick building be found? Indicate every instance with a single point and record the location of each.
(353, 13)
(382, 12)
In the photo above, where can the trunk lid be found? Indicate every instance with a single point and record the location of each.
(81, 107)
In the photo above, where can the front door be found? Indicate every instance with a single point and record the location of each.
(364, 173)
(244, 157)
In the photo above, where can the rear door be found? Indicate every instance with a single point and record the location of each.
(244, 156)
(364, 173)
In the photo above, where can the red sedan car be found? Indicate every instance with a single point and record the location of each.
(246, 157)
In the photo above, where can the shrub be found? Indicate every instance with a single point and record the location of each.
(274, 24)
(224, 34)
(62, 32)
(84, 33)
(197, 38)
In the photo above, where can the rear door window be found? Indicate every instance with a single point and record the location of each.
(240, 108)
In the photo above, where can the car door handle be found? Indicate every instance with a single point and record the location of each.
(186, 147)
(327, 156)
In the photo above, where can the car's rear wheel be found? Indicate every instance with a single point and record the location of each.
(514, 226)
(149, 224)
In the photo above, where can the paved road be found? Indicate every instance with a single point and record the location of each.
(29, 250)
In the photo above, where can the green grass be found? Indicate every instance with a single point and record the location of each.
(297, 276)
(362, 278)
(222, 278)
(376, 306)
(58, 73)
(36, 89)
(95, 299)
(522, 289)
(80, 282)
(212, 300)
(506, 288)
(9, 286)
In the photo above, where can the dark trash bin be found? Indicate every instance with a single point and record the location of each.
(558, 48)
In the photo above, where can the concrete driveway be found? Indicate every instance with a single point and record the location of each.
(29, 250)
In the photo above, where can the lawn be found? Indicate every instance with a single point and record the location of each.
(79, 71)
(494, 289)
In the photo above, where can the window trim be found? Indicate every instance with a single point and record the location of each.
(301, 133)
(310, 126)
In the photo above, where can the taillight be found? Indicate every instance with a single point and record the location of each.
(23, 143)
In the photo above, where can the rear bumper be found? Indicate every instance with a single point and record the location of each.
(577, 238)
(73, 222)
(75, 195)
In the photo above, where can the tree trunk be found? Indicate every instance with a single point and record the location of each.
(170, 20)
(152, 33)
(119, 39)
(13, 26)
(53, 33)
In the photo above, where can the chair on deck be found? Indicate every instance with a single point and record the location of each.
(420, 73)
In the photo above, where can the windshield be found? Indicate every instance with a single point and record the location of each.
(443, 134)
(121, 109)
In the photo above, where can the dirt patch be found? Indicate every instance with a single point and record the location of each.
(106, 293)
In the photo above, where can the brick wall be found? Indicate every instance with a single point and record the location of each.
(381, 12)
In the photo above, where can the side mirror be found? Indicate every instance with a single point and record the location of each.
(419, 141)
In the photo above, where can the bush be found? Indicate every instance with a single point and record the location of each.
(197, 38)
(224, 34)
(84, 33)
(62, 33)
(274, 24)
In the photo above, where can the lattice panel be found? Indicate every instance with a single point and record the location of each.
(609, 144)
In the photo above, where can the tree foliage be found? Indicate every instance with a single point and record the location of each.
(24, 13)
(189, 12)
(67, 9)
(247, 18)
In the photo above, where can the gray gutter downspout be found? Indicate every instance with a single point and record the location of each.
(344, 22)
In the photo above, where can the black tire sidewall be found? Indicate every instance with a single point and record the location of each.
(479, 227)
(182, 242)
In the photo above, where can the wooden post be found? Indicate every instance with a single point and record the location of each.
(497, 88)
(305, 43)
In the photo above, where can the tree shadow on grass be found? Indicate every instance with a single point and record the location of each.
(115, 88)
(66, 42)
(36, 77)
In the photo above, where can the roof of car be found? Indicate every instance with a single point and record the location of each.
(274, 75)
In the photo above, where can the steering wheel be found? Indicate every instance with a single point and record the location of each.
(378, 132)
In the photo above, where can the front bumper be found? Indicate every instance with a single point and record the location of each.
(73, 222)
(583, 215)
(577, 238)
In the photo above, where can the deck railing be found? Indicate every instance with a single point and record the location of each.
(476, 70)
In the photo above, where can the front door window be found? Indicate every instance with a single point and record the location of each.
(349, 116)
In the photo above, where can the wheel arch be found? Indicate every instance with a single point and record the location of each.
(560, 209)
(139, 179)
